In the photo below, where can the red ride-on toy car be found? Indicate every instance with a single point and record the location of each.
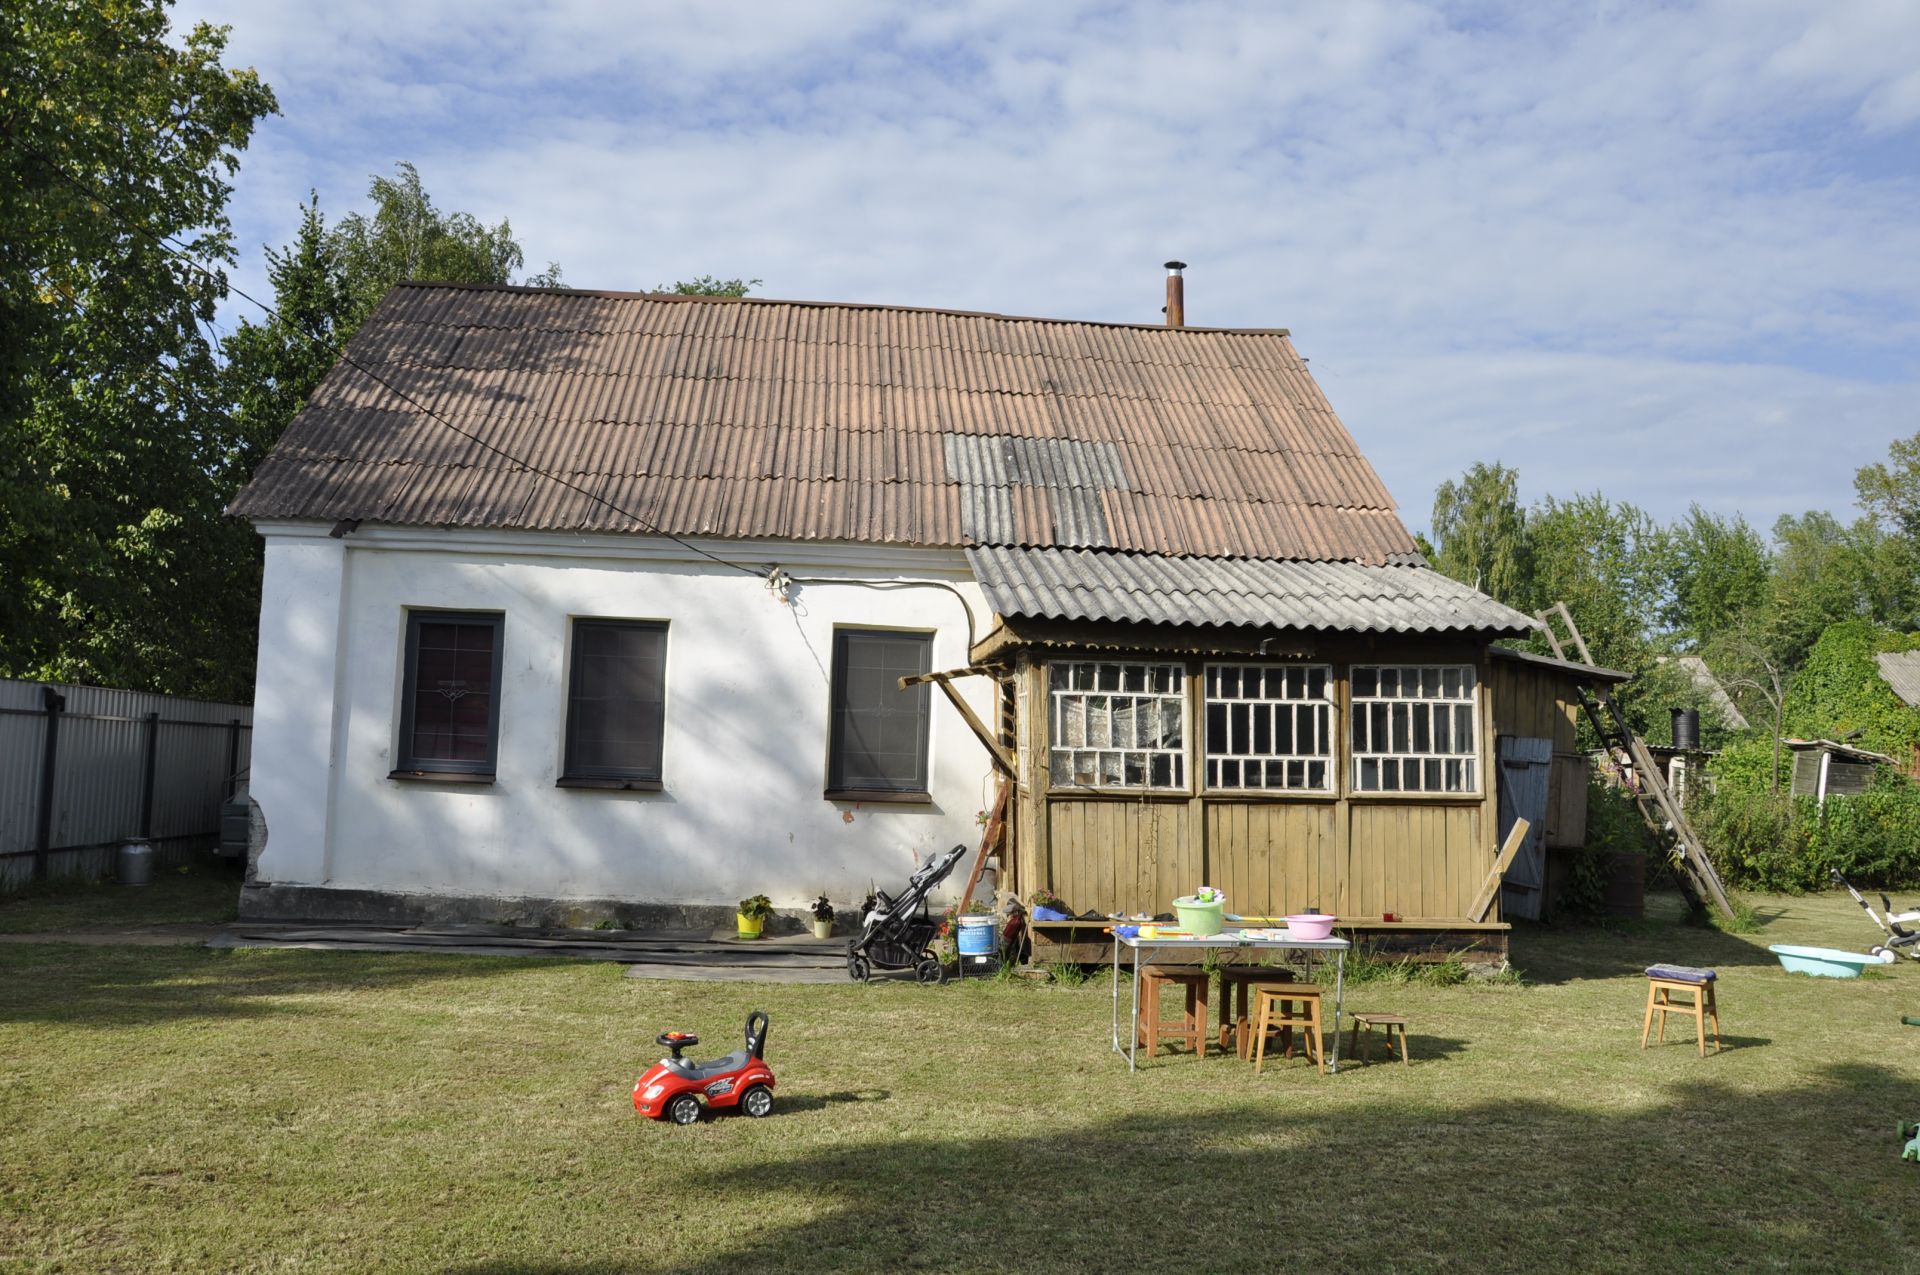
(675, 1087)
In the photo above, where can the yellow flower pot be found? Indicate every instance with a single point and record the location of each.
(748, 927)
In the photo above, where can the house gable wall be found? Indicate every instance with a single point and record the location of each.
(741, 809)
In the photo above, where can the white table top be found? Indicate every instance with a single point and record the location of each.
(1232, 938)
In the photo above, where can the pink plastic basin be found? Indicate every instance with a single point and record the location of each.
(1315, 926)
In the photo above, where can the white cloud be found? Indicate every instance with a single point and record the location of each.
(1503, 231)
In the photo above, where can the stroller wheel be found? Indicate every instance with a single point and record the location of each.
(930, 970)
(858, 969)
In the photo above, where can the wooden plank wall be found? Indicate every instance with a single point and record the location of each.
(1360, 856)
(1273, 858)
(1111, 854)
(1537, 703)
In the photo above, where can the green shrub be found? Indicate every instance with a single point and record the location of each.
(1788, 844)
(1873, 837)
(1614, 826)
(1839, 689)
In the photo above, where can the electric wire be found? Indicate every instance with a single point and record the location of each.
(172, 247)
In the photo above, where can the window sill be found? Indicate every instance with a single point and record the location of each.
(881, 797)
(611, 783)
(1433, 798)
(1271, 794)
(1122, 794)
(442, 776)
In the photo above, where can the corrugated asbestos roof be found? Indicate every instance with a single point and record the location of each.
(1902, 671)
(802, 421)
(1073, 584)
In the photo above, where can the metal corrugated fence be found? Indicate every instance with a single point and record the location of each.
(83, 768)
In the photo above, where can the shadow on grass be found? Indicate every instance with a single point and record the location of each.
(1548, 954)
(1709, 1177)
(820, 1102)
(119, 987)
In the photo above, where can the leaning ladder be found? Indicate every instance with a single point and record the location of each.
(1650, 793)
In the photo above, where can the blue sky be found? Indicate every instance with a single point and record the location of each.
(1667, 251)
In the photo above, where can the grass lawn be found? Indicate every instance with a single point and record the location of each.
(180, 1109)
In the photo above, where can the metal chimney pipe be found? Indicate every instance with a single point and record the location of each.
(1176, 295)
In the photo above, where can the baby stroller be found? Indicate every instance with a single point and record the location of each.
(894, 936)
(1900, 939)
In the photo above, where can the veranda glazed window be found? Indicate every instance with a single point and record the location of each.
(1118, 725)
(1414, 728)
(1269, 727)
(450, 713)
(879, 733)
(616, 701)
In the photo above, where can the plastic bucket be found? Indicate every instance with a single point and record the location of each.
(976, 936)
(1200, 918)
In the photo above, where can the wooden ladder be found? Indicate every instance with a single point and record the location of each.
(1650, 793)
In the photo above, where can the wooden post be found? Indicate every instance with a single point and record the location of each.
(233, 757)
(55, 704)
(147, 774)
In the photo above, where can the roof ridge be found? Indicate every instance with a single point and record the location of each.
(606, 294)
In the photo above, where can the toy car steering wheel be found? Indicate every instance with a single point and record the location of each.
(677, 1041)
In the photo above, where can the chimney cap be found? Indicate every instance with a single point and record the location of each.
(1176, 266)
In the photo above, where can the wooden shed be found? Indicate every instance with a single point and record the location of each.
(1299, 735)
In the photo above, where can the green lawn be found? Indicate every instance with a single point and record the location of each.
(179, 1109)
(205, 893)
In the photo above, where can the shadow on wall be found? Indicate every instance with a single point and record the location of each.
(1393, 1185)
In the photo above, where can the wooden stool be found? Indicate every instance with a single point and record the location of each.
(1191, 1026)
(1388, 1025)
(1276, 1010)
(1662, 982)
(1234, 1019)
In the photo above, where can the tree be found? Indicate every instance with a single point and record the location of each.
(1481, 533)
(1826, 572)
(1721, 573)
(707, 285)
(1890, 493)
(1607, 562)
(115, 150)
(406, 237)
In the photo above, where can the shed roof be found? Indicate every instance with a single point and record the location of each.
(1901, 669)
(812, 421)
(1572, 668)
(1079, 584)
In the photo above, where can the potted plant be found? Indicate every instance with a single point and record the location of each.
(822, 918)
(753, 915)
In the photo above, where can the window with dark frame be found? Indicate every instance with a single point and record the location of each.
(616, 703)
(1414, 728)
(1118, 724)
(878, 735)
(450, 712)
(1269, 727)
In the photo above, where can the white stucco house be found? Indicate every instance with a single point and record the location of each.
(593, 604)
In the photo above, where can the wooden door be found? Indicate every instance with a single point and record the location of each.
(1525, 765)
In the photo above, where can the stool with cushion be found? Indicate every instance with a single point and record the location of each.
(1191, 1027)
(1285, 1006)
(1235, 1021)
(1663, 981)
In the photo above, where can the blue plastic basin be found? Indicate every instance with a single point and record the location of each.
(1821, 962)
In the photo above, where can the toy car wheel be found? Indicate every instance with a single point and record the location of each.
(757, 1101)
(930, 970)
(684, 1110)
(858, 969)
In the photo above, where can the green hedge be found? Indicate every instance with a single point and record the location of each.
(1763, 842)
